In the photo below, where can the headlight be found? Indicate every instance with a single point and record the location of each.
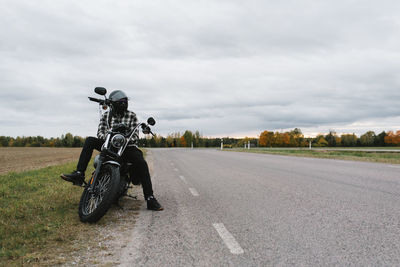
(117, 140)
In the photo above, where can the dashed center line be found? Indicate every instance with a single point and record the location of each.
(183, 179)
(228, 239)
(194, 191)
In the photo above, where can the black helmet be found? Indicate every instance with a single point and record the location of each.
(119, 102)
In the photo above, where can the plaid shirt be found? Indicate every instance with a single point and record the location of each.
(129, 119)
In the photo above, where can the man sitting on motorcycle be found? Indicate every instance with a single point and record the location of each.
(120, 114)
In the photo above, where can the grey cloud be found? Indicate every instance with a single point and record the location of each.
(222, 67)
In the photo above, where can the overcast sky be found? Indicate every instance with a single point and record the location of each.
(225, 68)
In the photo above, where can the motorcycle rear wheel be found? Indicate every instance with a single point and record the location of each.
(94, 205)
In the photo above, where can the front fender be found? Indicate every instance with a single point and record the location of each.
(112, 162)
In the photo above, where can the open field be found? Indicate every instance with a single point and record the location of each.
(37, 212)
(382, 155)
(19, 159)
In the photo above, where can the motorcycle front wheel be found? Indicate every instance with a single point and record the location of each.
(93, 205)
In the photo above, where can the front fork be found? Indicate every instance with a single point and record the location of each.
(95, 174)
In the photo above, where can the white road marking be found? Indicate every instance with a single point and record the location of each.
(183, 179)
(228, 238)
(194, 191)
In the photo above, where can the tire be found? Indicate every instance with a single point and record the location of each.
(122, 189)
(93, 206)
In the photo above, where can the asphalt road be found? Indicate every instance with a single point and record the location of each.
(243, 209)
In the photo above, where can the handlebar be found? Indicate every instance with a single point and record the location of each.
(96, 100)
(146, 129)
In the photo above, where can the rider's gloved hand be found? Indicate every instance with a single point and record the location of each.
(146, 129)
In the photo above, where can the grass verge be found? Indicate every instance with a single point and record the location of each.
(381, 157)
(38, 214)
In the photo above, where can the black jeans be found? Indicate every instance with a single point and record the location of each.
(131, 154)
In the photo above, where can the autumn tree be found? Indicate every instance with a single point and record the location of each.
(320, 141)
(392, 138)
(182, 141)
(277, 139)
(170, 141)
(285, 137)
(266, 138)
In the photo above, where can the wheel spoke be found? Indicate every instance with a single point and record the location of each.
(94, 199)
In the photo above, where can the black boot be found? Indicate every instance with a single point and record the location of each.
(77, 178)
(152, 204)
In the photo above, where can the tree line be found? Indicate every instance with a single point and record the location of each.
(67, 140)
(293, 138)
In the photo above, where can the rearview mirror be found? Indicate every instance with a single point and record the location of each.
(100, 90)
(151, 121)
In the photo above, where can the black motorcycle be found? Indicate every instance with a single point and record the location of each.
(112, 175)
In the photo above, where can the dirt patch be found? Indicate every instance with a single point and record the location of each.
(19, 159)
